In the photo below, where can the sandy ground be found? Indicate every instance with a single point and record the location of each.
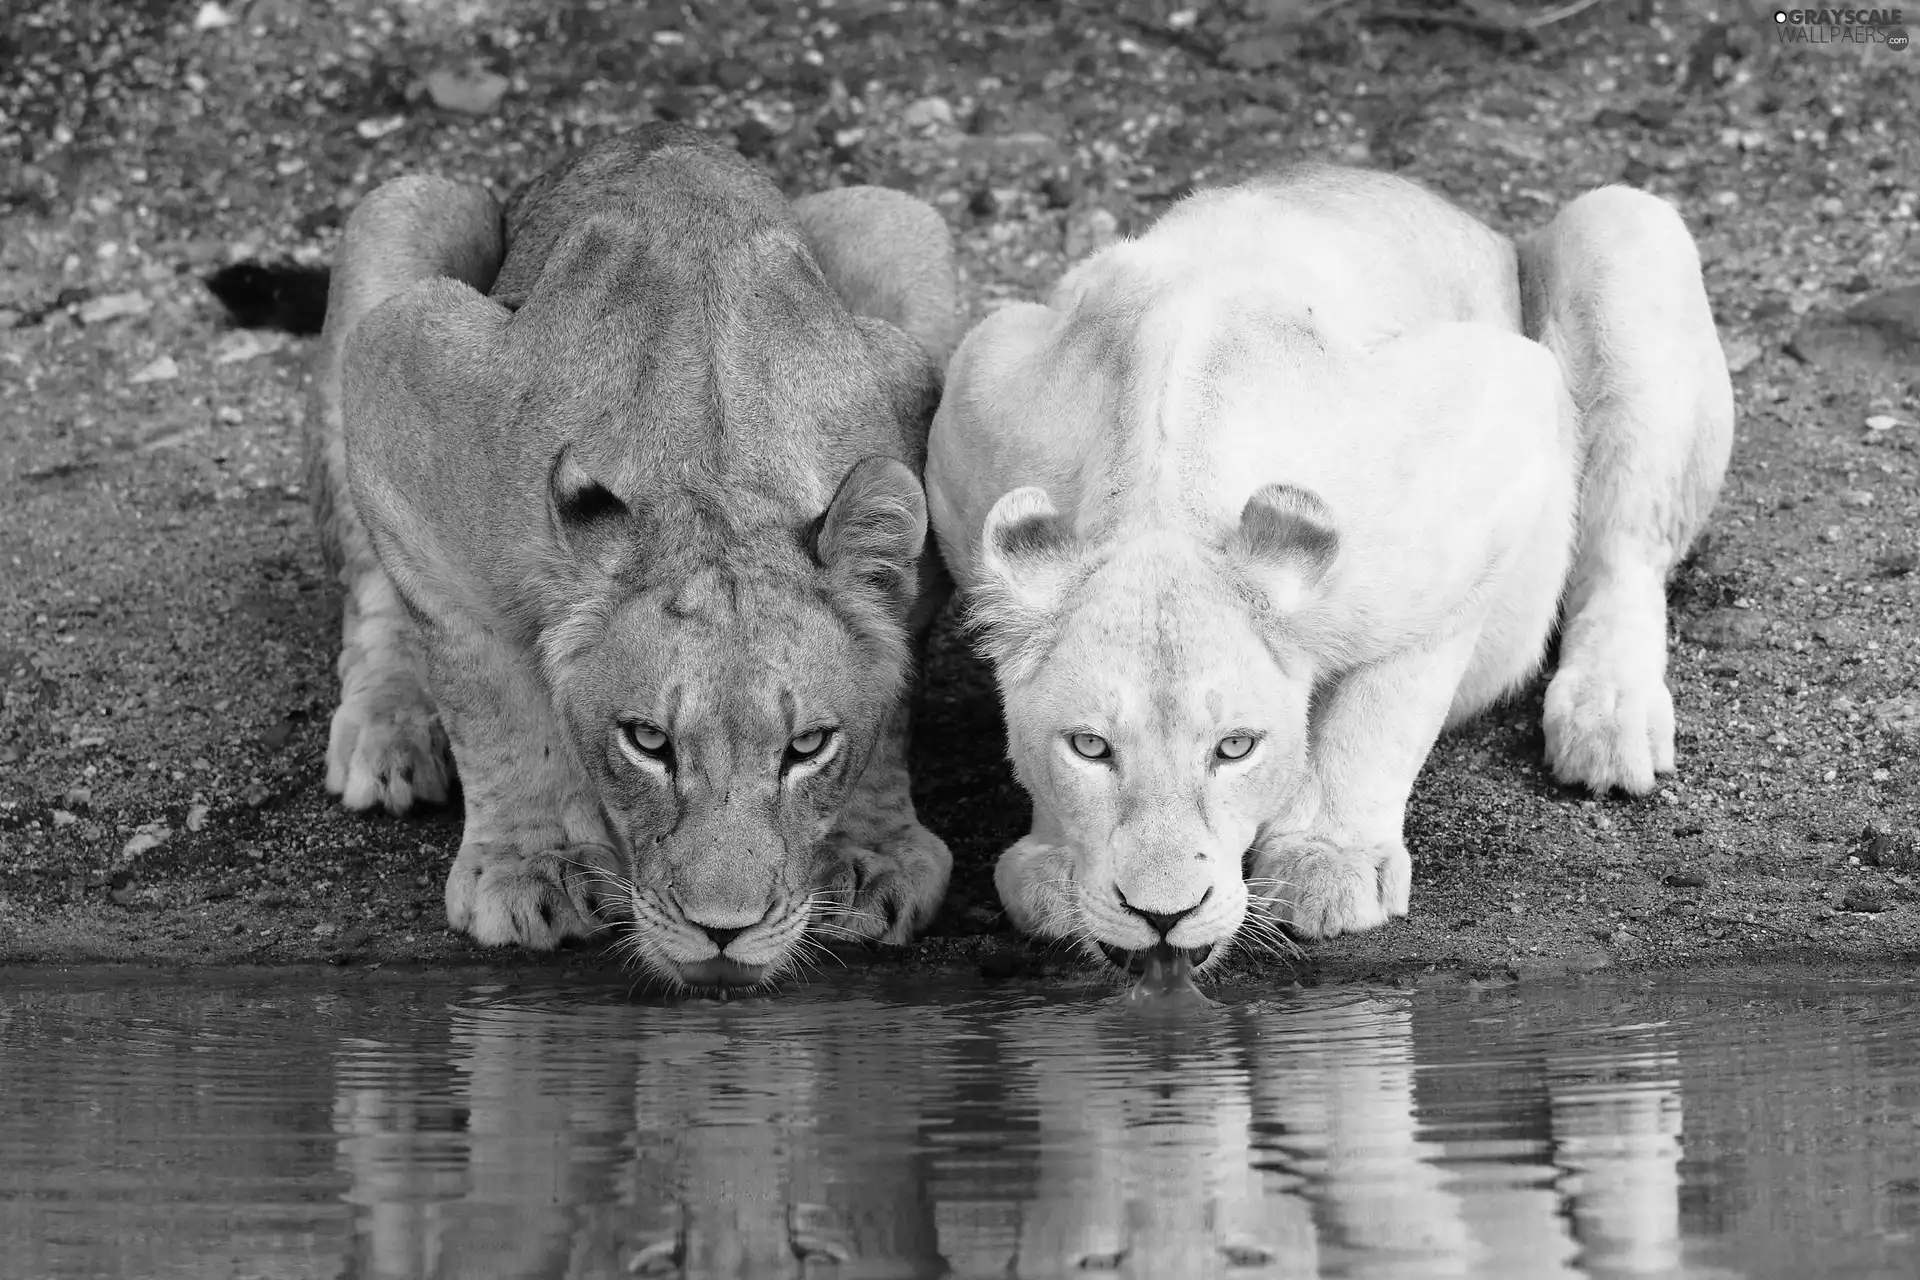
(167, 636)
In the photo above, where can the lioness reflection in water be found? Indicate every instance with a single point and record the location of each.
(860, 1139)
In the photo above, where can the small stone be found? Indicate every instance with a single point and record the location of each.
(1741, 353)
(77, 797)
(1899, 715)
(197, 817)
(245, 344)
(1089, 231)
(114, 306)
(379, 127)
(146, 839)
(983, 203)
(1685, 880)
(325, 930)
(928, 113)
(211, 16)
(1727, 629)
(1060, 191)
(163, 369)
(1886, 422)
(61, 818)
(1837, 632)
(1866, 899)
(1259, 53)
(1855, 498)
(256, 795)
(731, 75)
(754, 138)
(1896, 851)
(470, 93)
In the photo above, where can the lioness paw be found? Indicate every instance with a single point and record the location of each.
(892, 891)
(1608, 728)
(388, 752)
(1034, 880)
(500, 895)
(1320, 889)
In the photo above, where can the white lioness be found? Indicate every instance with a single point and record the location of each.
(622, 484)
(1262, 501)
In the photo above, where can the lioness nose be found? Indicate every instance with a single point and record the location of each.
(1163, 922)
(721, 937)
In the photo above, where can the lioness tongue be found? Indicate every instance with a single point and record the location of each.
(1169, 971)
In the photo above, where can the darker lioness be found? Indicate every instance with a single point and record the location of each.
(639, 528)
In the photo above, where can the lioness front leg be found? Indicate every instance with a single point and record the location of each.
(887, 873)
(387, 746)
(1612, 286)
(1340, 865)
(536, 867)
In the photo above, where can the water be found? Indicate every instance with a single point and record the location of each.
(387, 1126)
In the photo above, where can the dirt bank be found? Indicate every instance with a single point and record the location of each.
(166, 634)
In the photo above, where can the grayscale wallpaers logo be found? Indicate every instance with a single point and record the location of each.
(1842, 26)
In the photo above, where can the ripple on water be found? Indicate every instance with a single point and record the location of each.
(208, 1126)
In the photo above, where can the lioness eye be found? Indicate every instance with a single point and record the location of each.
(1235, 747)
(808, 744)
(646, 739)
(1090, 745)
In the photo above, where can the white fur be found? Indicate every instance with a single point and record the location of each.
(1350, 335)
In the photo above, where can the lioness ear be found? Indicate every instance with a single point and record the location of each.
(875, 528)
(1028, 555)
(583, 514)
(1286, 537)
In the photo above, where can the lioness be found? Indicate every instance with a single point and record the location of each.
(1262, 501)
(637, 532)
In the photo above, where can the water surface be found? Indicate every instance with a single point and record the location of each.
(280, 1125)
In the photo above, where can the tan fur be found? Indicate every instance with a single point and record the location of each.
(663, 474)
(1287, 469)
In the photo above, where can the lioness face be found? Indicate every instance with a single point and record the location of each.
(1156, 737)
(723, 722)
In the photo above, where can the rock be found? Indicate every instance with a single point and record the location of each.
(1685, 880)
(983, 203)
(1896, 851)
(324, 930)
(1878, 337)
(61, 818)
(114, 306)
(1259, 53)
(379, 127)
(1899, 715)
(245, 344)
(1089, 231)
(163, 369)
(212, 16)
(1896, 564)
(77, 797)
(928, 113)
(197, 817)
(1740, 352)
(1060, 191)
(475, 93)
(1727, 629)
(146, 839)
(1856, 498)
(256, 795)
(731, 75)
(1866, 899)
(1885, 422)
(1838, 632)
(754, 138)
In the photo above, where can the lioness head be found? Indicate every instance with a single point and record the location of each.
(1156, 712)
(724, 701)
